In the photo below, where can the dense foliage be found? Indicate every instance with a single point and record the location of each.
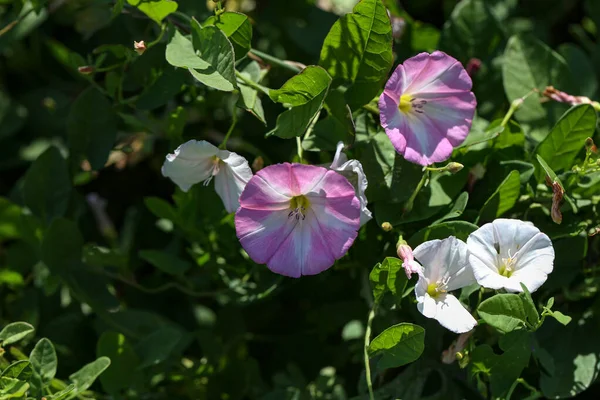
(117, 284)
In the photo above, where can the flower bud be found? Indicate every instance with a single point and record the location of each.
(454, 167)
(86, 69)
(589, 143)
(404, 252)
(258, 164)
(386, 226)
(473, 66)
(139, 47)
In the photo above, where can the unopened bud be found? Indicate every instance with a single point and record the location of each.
(454, 167)
(258, 164)
(405, 252)
(139, 47)
(596, 105)
(557, 199)
(459, 356)
(49, 103)
(589, 143)
(473, 66)
(386, 226)
(516, 103)
(86, 69)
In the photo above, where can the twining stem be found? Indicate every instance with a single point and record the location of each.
(275, 61)
(231, 128)
(163, 29)
(299, 146)
(366, 350)
(11, 25)
(250, 82)
(410, 202)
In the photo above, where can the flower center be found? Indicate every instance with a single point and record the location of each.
(408, 103)
(299, 204)
(437, 288)
(507, 267)
(214, 170)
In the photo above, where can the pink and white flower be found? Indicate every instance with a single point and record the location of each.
(427, 107)
(199, 161)
(298, 219)
(445, 268)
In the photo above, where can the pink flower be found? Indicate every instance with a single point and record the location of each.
(298, 219)
(427, 107)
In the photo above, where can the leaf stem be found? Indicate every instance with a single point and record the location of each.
(11, 25)
(250, 82)
(410, 202)
(366, 350)
(299, 146)
(231, 128)
(275, 61)
(514, 106)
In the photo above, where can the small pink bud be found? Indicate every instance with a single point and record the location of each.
(86, 69)
(408, 261)
(139, 47)
(473, 66)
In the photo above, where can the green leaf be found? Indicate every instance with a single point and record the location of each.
(554, 178)
(162, 90)
(238, 29)
(157, 10)
(560, 317)
(158, 346)
(14, 332)
(47, 185)
(460, 229)
(533, 317)
(388, 275)
(209, 59)
(325, 135)
(530, 64)
(21, 370)
(567, 138)
(472, 31)
(62, 246)
(249, 99)
(10, 217)
(166, 262)
(503, 199)
(502, 370)
(63, 394)
(581, 67)
(92, 127)
(43, 362)
(84, 378)
(458, 207)
(11, 388)
(122, 371)
(398, 345)
(358, 51)
(507, 312)
(305, 93)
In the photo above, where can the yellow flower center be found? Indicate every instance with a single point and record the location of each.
(405, 106)
(437, 288)
(299, 205)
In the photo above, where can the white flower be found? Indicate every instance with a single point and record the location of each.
(199, 161)
(508, 252)
(445, 268)
(353, 171)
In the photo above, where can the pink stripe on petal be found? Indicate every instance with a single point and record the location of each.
(262, 232)
(280, 178)
(260, 195)
(331, 185)
(435, 72)
(307, 177)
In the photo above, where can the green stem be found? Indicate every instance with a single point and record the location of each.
(514, 106)
(275, 61)
(231, 128)
(409, 204)
(366, 350)
(250, 82)
(11, 25)
(163, 29)
(182, 16)
(299, 146)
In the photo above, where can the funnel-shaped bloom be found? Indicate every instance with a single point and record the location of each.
(508, 252)
(427, 107)
(445, 268)
(353, 171)
(298, 219)
(199, 161)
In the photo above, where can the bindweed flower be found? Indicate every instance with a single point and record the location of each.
(353, 171)
(405, 253)
(427, 107)
(445, 268)
(139, 47)
(508, 252)
(199, 161)
(298, 219)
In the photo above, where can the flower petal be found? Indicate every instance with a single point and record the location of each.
(262, 232)
(233, 176)
(427, 306)
(452, 315)
(537, 253)
(445, 260)
(259, 194)
(190, 163)
(435, 72)
(308, 178)
(353, 171)
(533, 278)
